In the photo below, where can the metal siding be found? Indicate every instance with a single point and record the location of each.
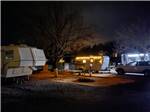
(26, 58)
(38, 56)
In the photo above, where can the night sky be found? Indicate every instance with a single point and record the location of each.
(106, 17)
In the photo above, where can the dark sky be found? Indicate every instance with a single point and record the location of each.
(106, 17)
(110, 16)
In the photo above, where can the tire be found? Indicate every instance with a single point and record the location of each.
(147, 73)
(120, 72)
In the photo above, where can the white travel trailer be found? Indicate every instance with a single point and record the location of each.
(18, 60)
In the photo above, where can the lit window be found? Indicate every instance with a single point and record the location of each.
(84, 61)
(100, 61)
(91, 60)
(132, 63)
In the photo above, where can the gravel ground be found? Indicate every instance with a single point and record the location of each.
(63, 86)
(44, 90)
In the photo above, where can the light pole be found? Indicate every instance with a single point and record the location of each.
(84, 62)
(91, 61)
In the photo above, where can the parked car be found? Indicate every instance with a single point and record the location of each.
(134, 67)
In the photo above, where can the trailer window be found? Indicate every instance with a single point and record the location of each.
(144, 63)
(132, 63)
(9, 54)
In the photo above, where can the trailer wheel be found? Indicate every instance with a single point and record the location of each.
(19, 80)
(120, 72)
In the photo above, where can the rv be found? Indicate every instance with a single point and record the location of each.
(94, 63)
(20, 60)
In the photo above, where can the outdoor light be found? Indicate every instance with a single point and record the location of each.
(91, 64)
(133, 55)
(61, 61)
(146, 54)
(76, 58)
(88, 57)
(81, 58)
(141, 54)
(100, 61)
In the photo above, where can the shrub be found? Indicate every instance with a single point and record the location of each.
(86, 80)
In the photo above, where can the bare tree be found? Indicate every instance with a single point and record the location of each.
(59, 28)
(134, 38)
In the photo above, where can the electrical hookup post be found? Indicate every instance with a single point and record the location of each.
(56, 72)
(45, 68)
(90, 69)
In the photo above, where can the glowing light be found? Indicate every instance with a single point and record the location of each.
(84, 61)
(141, 54)
(146, 54)
(91, 65)
(61, 61)
(100, 61)
(133, 55)
(91, 60)
(88, 57)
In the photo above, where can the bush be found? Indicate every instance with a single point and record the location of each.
(86, 80)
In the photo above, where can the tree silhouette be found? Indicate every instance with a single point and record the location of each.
(134, 38)
(58, 28)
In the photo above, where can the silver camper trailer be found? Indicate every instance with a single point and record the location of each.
(18, 61)
(96, 63)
